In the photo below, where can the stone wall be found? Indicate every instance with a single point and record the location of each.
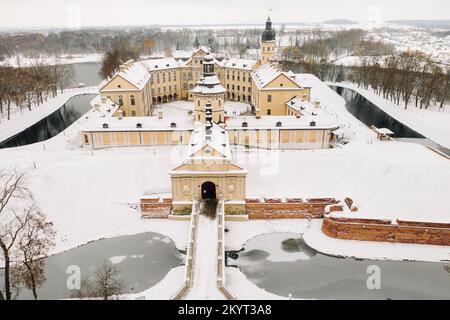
(156, 208)
(386, 231)
(291, 208)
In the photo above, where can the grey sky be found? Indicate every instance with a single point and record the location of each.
(70, 13)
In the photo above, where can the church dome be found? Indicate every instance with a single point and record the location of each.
(269, 32)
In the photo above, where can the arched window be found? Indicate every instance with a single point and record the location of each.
(244, 124)
(173, 125)
(105, 126)
(279, 124)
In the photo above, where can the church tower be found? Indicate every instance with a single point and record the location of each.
(209, 95)
(268, 43)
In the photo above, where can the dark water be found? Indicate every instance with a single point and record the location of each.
(316, 276)
(53, 124)
(87, 73)
(143, 260)
(369, 114)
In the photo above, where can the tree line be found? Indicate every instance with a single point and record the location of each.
(23, 87)
(410, 77)
(328, 46)
(406, 78)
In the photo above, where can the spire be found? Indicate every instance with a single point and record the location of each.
(269, 32)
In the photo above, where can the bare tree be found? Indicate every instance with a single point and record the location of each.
(107, 281)
(38, 237)
(21, 224)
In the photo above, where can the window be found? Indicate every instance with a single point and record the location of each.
(220, 103)
(173, 125)
(119, 86)
(198, 103)
(105, 126)
(86, 139)
(132, 100)
(133, 113)
(269, 98)
(120, 101)
(139, 125)
(269, 112)
(244, 124)
(279, 124)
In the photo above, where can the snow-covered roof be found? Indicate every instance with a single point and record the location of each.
(209, 85)
(161, 64)
(240, 63)
(309, 122)
(138, 124)
(304, 106)
(383, 130)
(306, 80)
(217, 139)
(134, 72)
(265, 74)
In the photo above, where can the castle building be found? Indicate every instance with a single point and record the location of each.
(209, 92)
(208, 171)
(280, 114)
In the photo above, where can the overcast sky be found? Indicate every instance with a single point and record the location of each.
(84, 13)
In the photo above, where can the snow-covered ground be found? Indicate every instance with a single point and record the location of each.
(23, 118)
(90, 194)
(430, 123)
(23, 61)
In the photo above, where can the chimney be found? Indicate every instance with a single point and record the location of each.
(160, 114)
(304, 97)
(258, 113)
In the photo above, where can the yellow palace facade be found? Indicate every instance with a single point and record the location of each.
(280, 114)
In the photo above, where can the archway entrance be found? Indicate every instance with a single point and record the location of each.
(209, 190)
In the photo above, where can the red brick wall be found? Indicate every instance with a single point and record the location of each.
(380, 230)
(156, 210)
(286, 210)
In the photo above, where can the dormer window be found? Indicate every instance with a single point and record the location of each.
(312, 123)
(105, 126)
(167, 65)
(173, 125)
(139, 125)
(244, 124)
(278, 124)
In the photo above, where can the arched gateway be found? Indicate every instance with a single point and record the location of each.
(209, 191)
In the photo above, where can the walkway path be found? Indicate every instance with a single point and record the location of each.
(205, 262)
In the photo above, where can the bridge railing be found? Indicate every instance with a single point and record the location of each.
(190, 254)
(221, 251)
